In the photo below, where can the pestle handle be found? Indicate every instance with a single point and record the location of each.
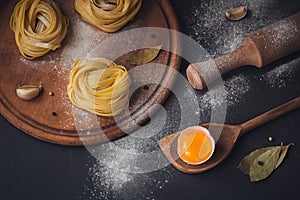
(258, 49)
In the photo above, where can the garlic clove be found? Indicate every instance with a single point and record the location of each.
(28, 92)
(236, 13)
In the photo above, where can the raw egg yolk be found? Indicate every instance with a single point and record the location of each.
(194, 146)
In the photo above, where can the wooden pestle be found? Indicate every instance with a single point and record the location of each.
(258, 49)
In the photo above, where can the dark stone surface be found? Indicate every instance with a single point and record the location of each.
(32, 169)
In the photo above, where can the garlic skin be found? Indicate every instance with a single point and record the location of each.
(236, 13)
(28, 92)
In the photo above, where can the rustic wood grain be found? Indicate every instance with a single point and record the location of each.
(50, 118)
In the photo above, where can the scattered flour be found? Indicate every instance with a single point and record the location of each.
(81, 40)
(280, 75)
(109, 181)
(205, 22)
(282, 33)
(233, 91)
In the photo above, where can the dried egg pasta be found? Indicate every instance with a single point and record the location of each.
(39, 27)
(99, 86)
(108, 15)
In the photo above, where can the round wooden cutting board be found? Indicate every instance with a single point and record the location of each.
(53, 118)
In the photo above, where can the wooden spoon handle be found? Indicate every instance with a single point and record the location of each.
(270, 115)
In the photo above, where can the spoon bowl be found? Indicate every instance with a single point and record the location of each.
(223, 147)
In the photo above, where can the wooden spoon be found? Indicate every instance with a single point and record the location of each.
(229, 136)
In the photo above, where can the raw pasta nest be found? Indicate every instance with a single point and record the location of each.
(108, 15)
(99, 86)
(39, 27)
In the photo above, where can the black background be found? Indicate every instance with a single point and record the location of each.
(32, 169)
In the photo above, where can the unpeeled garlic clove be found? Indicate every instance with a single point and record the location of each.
(236, 13)
(28, 92)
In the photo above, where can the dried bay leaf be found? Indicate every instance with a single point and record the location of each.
(283, 153)
(246, 162)
(144, 56)
(260, 163)
(264, 164)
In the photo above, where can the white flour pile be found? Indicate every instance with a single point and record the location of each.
(106, 180)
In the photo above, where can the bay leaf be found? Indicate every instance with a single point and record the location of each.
(264, 164)
(143, 56)
(246, 162)
(283, 153)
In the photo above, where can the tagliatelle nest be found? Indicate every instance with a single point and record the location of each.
(39, 27)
